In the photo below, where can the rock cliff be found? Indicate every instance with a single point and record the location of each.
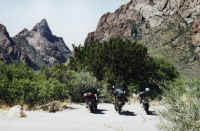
(37, 47)
(169, 28)
(7, 46)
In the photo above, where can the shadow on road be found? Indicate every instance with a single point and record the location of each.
(70, 108)
(100, 111)
(127, 113)
(153, 113)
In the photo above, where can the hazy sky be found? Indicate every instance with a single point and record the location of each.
(70, 19)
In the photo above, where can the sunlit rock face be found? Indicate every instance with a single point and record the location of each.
(168, 28)
(142, 15)
(49, 48)
(37, 47)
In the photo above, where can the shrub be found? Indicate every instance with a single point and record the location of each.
(13, 81)
(21, 85)
(162, 70)
(75, 82)
(182, 107)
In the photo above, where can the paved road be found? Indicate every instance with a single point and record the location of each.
(78, 118)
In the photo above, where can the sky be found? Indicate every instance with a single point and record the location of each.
(70, 19)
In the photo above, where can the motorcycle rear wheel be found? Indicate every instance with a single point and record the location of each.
(118, 108)
(146, 108)
(92, 108)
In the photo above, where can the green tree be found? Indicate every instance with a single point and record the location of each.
(124, 61)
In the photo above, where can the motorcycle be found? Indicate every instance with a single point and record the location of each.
(119, 103)
(91, 101)
(145, 104)
(144, 101)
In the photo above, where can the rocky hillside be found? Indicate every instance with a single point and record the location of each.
(37, 47)
(7, 46)
(169, 28)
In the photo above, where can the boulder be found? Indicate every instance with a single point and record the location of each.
(16, 112)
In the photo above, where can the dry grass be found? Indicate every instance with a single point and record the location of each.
(4, 107)
(155, 103)
(132, 100)
(183, 108)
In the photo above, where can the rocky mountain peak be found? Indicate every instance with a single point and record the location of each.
(3, 31)
(37, 47)
(5, 40)
(43, 28)
(41, 47)
(6, 46)
(2, 28)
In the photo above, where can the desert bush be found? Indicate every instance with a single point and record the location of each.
(182, 107)
(13, 81)
(21, 85)
(76, 82)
